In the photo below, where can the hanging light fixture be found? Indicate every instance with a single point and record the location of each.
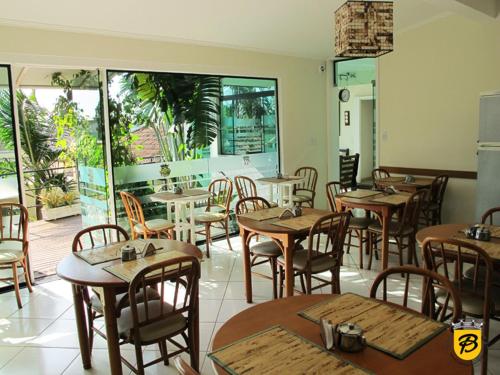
(364, 29)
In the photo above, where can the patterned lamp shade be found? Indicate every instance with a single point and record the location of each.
(364, 29)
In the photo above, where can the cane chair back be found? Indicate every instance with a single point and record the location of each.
(380, 173)
(14, 224)
(245, 187)
(310, 176)
(430, 282)
(250, 204)
(98, 235)
(438, 188)
(221, 194)
(412, 209)
(334, 188)
(133, 208)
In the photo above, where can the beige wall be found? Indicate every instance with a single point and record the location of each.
(429, 101)
(302, 88)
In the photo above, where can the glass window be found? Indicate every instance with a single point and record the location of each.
(248, 116)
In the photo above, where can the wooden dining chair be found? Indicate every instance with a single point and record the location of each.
(324, 253)
(156, 321)
(348, 167)
(264, 251)
(90, 238)
(14, 245)
(217, 210)
(400, 230)
(358, 225)
(183, 368)
(378, 174)
(139, 226)
(245, 187)
(489, 216)
(480, 299)
(305, 191)
(431, 211)
(431, 283)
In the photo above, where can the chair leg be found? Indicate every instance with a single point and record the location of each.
(274, 270)
(360, 238)
(163, 351)
(412, 246)
(349, 242)
(140, 361)
(305, 289)
(27, 276)
(16, 284)
(280, 280)
(226, 227)
(308, 283)
(207, 238)
(90, 321)
(370, 247)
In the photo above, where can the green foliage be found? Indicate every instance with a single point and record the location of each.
(56, 197)
(123, 140)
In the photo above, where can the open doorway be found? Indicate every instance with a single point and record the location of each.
(62, 158)
(355, 80)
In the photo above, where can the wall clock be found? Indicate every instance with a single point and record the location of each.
(344, 95)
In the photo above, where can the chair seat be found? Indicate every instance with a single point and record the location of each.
(11, 251)
(361, 223)
(318, 264)
(300, 198)
(96, 303)
(431, 207)
(209, 217)
(154, 330)
(157, 225)
(394, 228)
(472, 303)
(266, 248)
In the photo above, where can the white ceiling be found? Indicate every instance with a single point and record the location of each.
(292, 27)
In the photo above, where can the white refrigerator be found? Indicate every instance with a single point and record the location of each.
(488, 155)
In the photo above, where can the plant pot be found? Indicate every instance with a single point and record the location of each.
(60, 212)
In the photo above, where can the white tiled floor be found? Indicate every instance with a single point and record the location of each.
(41, 337)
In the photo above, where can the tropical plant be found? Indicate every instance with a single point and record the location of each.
(56, 197)
(182, 110)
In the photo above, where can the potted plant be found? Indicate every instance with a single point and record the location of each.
(58, 204)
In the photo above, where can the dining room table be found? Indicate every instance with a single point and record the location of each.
(456, 231)
(92, 269)
(400, 183)
(284, 186)
(381, 203)
(184, 205)
(286, 231)
(291, 325)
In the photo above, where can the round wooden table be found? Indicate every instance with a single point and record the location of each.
(285, 236)
(444, 231)
(80, 273)
(437, 355)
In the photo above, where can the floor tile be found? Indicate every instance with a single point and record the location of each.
(40, 361)
(229, 308)
(20, 332)
(7, 353)
(209, 309)
(44, 306)
(100, 363)
(261, 290)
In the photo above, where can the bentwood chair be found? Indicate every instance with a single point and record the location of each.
(245, 187)
(156, 321)
(378, 174)
(305, 192)
(432, 282)
(89, 238)
(432, 210)
(217, 210)
(489, 216)
(480, 299)
(139, 226)
(324, 253)
(401, 230)
(14, 244)
(358, 225)
(261, 252)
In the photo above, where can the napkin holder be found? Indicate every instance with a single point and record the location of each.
(295, 211)
(409, 179)
(149, 250)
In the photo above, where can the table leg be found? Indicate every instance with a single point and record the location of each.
(185, 229)
(280, 195)
(112, 331)
(169, 211)
(192, 223)
(386, 219)
(271, 192)
(288, 245)
(290, 195)
(81, 325)
(246, 264)
(178, 226)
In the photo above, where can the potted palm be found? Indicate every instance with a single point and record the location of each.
(58, 203)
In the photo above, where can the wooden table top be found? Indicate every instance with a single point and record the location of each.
(367, 201)
(436, 355)
(269, 227)
(278, 181)
(77, 271)
(419, 181)
(187, 195)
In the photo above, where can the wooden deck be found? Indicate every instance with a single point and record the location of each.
(50, 241)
